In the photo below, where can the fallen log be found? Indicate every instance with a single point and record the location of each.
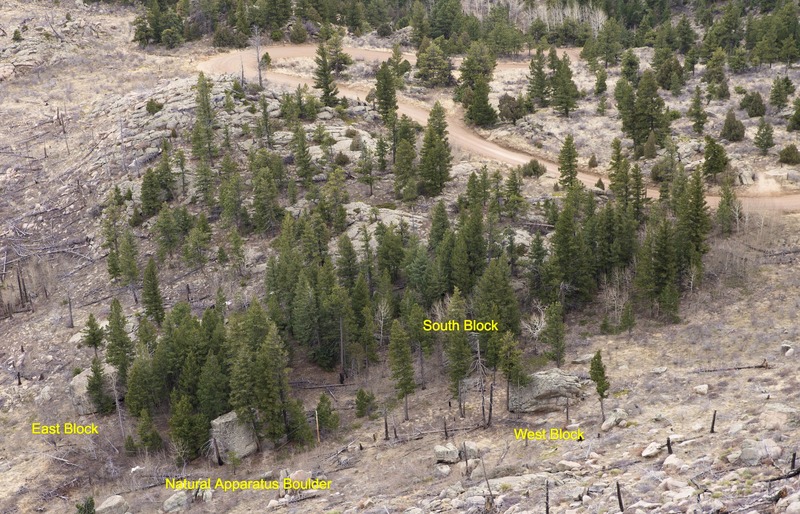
(763, 365)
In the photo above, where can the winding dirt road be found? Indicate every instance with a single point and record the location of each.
(460, 134)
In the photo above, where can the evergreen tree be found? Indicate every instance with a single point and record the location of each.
(151, 294)
(511, 363)
(435, 156)
(630, 68)
(433, 66)
(167, 234)
(764, 140)
(142, 385)
(779, 93)
(715, 159)
(565, 92)
(625, 97)
(696, 113)
(323, 77)
(538, 83)
(405, 173)
(400, 361)
(753, 104)
(148, 435)
(732, 129)
(459, 351)
(600, 86)
(242, 385)
(495, 300)
(328, 419)
(568, 164)
(97, 390)
(87, 507)
(129, 269)
(302, 157)
(440, 224)
(728, 210)
(187, 429)
(480, 111)
(119, 352)
(212, 389)
(477, 66)
(381, 148)
(347, 265)
(203, 132)
(92, 334)
(515, 203)
(648, 112)
(386, 93)
(339, 60)
(553, 333)
(597, 372)
(794, 119)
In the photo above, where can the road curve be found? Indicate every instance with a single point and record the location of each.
(460, 135)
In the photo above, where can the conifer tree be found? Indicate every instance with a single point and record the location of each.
(435, 156)
(565, 92)
(779, 93)
(459, 352)
(696, 113)
(365, 168)
(119, 352)
(495, 300)
(794, 119)
(166, 233)
(732, 129)
(648, 111)
(187, 429)
(440, 224)
(212, 389)
(515, 203)
(129, 269)
(302, 157)
(87, 507)
(405, 173)
(510, 363)
(715, 159)
(568, 163)
(386, 93)
(148, 435)
(242, 385)
(347, 265)
(480, 111)
(328, 418)
(142, 387)
(478, 65)
(400, 361)
(597, 372)
(764, 140)
(96, 389)
(538, 83)
(625, 97)
(553, 333)
(433, 66)
(323, 77)
(92, 334)
(728, 210)
(381, 149)
(151, 294)
(203, 132)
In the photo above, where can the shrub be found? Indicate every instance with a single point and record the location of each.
(753, 103)
(534, 168)
(384, 30)
(341, 159)
(17, 36)
(356, 144)
(593, 161)
(350, 132)
(276, 35)
(789, 155)
(298, 34)
(172, 38)
(153, 106)
(732, 129)
(225, 37)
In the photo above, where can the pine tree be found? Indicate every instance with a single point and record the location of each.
(96, 389)
(728, 210)
(328, 419)
(510, 363)
(87, 507)
(302, 157)
(597, 372)
(565, 92)
(323, 77)
(764, 140)
(129, 269)
(400, 361)
(794, 119)
(459, 351)
(553, 333)
(627, 320)
(203, 132)
(142, 387)
(568, 163)
(480, 111)
(732, 129)
(538, 83)
(434, 67)
(92, 335)
(148, 435)
(119, 352)
(381, 148)
(600, 86)
(478, 65)
(187, 429)
(212, 389)
(515, 202)
(625, 97)
(715, 159)
(405, 173)
(648, 111)
(779, 93)
(338, 58)
(435, 156)
(386, 93)
(495, 300)
(151, 294)
(696, 113)
(365, 168)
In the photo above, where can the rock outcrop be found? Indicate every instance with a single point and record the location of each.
(78, 389)
(547, 391)
(233, 437)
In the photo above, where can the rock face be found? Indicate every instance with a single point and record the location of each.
(77, 389)
(113, 505)
(447, 454)
(232, 436)
(616, 418)
(547, 391)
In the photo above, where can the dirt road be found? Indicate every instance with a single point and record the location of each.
(460, 134)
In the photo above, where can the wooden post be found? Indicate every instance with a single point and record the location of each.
(669, 446)
(491, 402)
(445, 429)
(70, 323)
(794, 460)
(547, 497)
(188, 293)
(385, 426)
(316, 419)
(394, 428)
(19, 380)
(713, 421)
(619, 499)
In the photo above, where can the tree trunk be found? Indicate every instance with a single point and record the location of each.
(421, 367)
(70, 323)
(602, 410)
(341, 344)
(405, 407)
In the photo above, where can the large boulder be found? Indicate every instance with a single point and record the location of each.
(176, 502)
(447, 454)
(113, 505)
(547, 391)
(232, 436)
(78, 389)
